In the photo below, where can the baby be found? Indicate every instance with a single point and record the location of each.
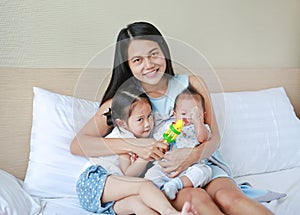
(189, 106)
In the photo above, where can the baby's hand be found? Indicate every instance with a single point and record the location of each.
(197, 115)
(133, 157)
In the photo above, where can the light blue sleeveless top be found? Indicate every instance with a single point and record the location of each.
(164, 105)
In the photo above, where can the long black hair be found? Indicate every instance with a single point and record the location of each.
(121, 71)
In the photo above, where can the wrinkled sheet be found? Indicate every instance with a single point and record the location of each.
(285, 181)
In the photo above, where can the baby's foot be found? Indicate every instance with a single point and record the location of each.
(170, 190)
(171, 187)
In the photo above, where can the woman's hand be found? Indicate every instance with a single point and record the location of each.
(155, 150)
(178, 160)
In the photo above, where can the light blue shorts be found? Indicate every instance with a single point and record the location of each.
(217, 172)
(89, 189)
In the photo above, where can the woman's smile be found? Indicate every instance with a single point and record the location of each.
(151, 74)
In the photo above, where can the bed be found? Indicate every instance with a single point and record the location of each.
(41, 110)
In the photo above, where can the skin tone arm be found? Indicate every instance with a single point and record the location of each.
(200, 129)
(202, 132)
(130, 168)
(178, 160)
(206, 149)
(89, 141)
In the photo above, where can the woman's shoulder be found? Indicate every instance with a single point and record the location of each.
(195, 78)
(180, 80)
(183, 78)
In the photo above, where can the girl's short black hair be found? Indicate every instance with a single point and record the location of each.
(124, 100)
(121, 71)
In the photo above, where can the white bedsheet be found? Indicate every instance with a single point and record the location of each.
(285, 181)
(64, 206)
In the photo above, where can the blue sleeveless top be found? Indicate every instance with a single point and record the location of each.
(164, 105)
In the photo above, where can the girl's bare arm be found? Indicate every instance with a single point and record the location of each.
(89, 140)
(130, 168)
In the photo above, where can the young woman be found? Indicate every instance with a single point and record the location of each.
(142, 52)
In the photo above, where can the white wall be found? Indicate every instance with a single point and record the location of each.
(230, 33)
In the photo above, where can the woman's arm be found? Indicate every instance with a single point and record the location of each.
(178, 160)
(206, 149)
(89, 141)
(130, 168)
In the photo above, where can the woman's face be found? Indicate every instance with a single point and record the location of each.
(146, 61)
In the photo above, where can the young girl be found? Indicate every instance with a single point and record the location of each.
(142, 52)
(103, 188)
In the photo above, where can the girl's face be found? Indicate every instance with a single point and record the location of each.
(146, 61)
(140, 122)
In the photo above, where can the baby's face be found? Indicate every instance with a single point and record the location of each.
(187, 108)
(140, 122)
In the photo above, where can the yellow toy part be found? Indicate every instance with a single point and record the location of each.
(173, 131)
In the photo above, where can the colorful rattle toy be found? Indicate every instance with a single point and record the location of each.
(173, 131)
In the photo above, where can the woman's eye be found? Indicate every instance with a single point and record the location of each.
(150, 116)
(139, 119)
(136, 60)
(153, 54)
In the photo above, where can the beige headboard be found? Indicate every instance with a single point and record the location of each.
(16, 99)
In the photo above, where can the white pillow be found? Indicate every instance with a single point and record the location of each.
(52, 170)
(262, 131)
(14, 200)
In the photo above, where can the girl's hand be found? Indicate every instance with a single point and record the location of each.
(178, 160)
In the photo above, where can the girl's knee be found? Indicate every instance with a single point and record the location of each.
(147, 183)
(143, 183)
